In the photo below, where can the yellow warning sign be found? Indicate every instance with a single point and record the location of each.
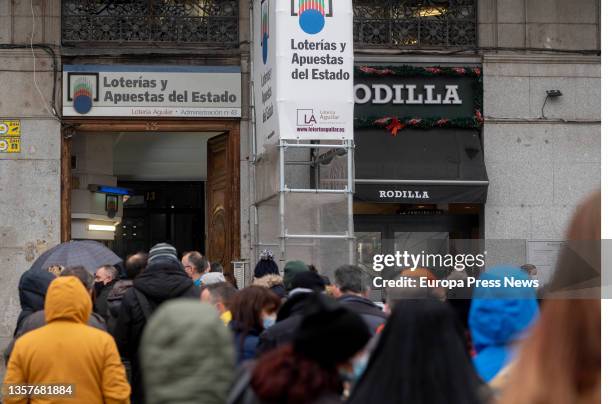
(10, 128)
(10, 144)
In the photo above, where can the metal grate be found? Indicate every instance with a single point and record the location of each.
(207, 22)
(414, 23)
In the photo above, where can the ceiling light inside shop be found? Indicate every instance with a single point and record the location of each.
(100, 227)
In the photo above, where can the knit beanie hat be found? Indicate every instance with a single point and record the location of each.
(162, 250)
(329, 332)
(293, 268)
(211, 278)
(308, 280)
(266, 265)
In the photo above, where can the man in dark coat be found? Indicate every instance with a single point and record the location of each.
(163, 279)
(134, 265)
(288, 319)
(105, 278)
(351, 289)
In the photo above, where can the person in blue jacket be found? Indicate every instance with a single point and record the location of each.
(253, 310)
(503, 308)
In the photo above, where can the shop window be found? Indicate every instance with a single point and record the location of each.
(414, 23)
(203, 22)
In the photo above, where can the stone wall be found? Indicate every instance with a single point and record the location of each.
(541, 162)
(30, 180)
(555, 24)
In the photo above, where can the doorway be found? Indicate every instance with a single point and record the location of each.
(161, 211)
(159, 180)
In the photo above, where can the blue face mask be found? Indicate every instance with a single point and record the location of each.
(268, 321)
(359, 366)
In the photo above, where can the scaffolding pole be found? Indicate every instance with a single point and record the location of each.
(349, 236)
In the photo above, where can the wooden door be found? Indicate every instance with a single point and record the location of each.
(223, 199)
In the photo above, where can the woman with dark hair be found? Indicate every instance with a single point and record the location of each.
(253, 310)
(421, 358)
(266, 274)
(313, 367)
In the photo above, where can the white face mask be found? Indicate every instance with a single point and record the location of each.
(268, 320)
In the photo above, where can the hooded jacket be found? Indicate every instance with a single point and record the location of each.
(373, 316)
(163, 279)
(500, 316)
(287, 322)
(66, 350)
(273, 282)
(187, 355)
(37, 320)
(33, 286)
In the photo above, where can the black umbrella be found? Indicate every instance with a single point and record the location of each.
(88, 253)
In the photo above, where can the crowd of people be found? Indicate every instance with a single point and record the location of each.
(167, 329)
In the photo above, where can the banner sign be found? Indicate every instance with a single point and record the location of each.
(151, 91)
(303, 70)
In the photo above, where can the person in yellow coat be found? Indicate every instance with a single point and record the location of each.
(81, 360)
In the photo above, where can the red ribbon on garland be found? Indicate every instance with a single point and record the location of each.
(372, 70)
(395, 126)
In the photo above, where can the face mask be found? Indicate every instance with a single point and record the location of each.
(268, 321)
(98, 287)
(359, 366)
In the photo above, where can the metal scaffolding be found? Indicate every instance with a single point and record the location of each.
(317, 239)
(349, 236)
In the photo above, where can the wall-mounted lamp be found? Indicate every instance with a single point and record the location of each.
(101, 227)
(550, 94)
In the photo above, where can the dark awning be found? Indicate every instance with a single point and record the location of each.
(420, 166)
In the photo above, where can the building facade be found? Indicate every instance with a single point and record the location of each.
(131, 127)
(535, 146)
(540, 129)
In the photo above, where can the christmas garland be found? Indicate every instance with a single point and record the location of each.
(394, 124)
(413, 71)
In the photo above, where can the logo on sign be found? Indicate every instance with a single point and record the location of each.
(10, 128)
(10, 145)
(312, 14)
(305, 117)
(82, 91)
(265, 29)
